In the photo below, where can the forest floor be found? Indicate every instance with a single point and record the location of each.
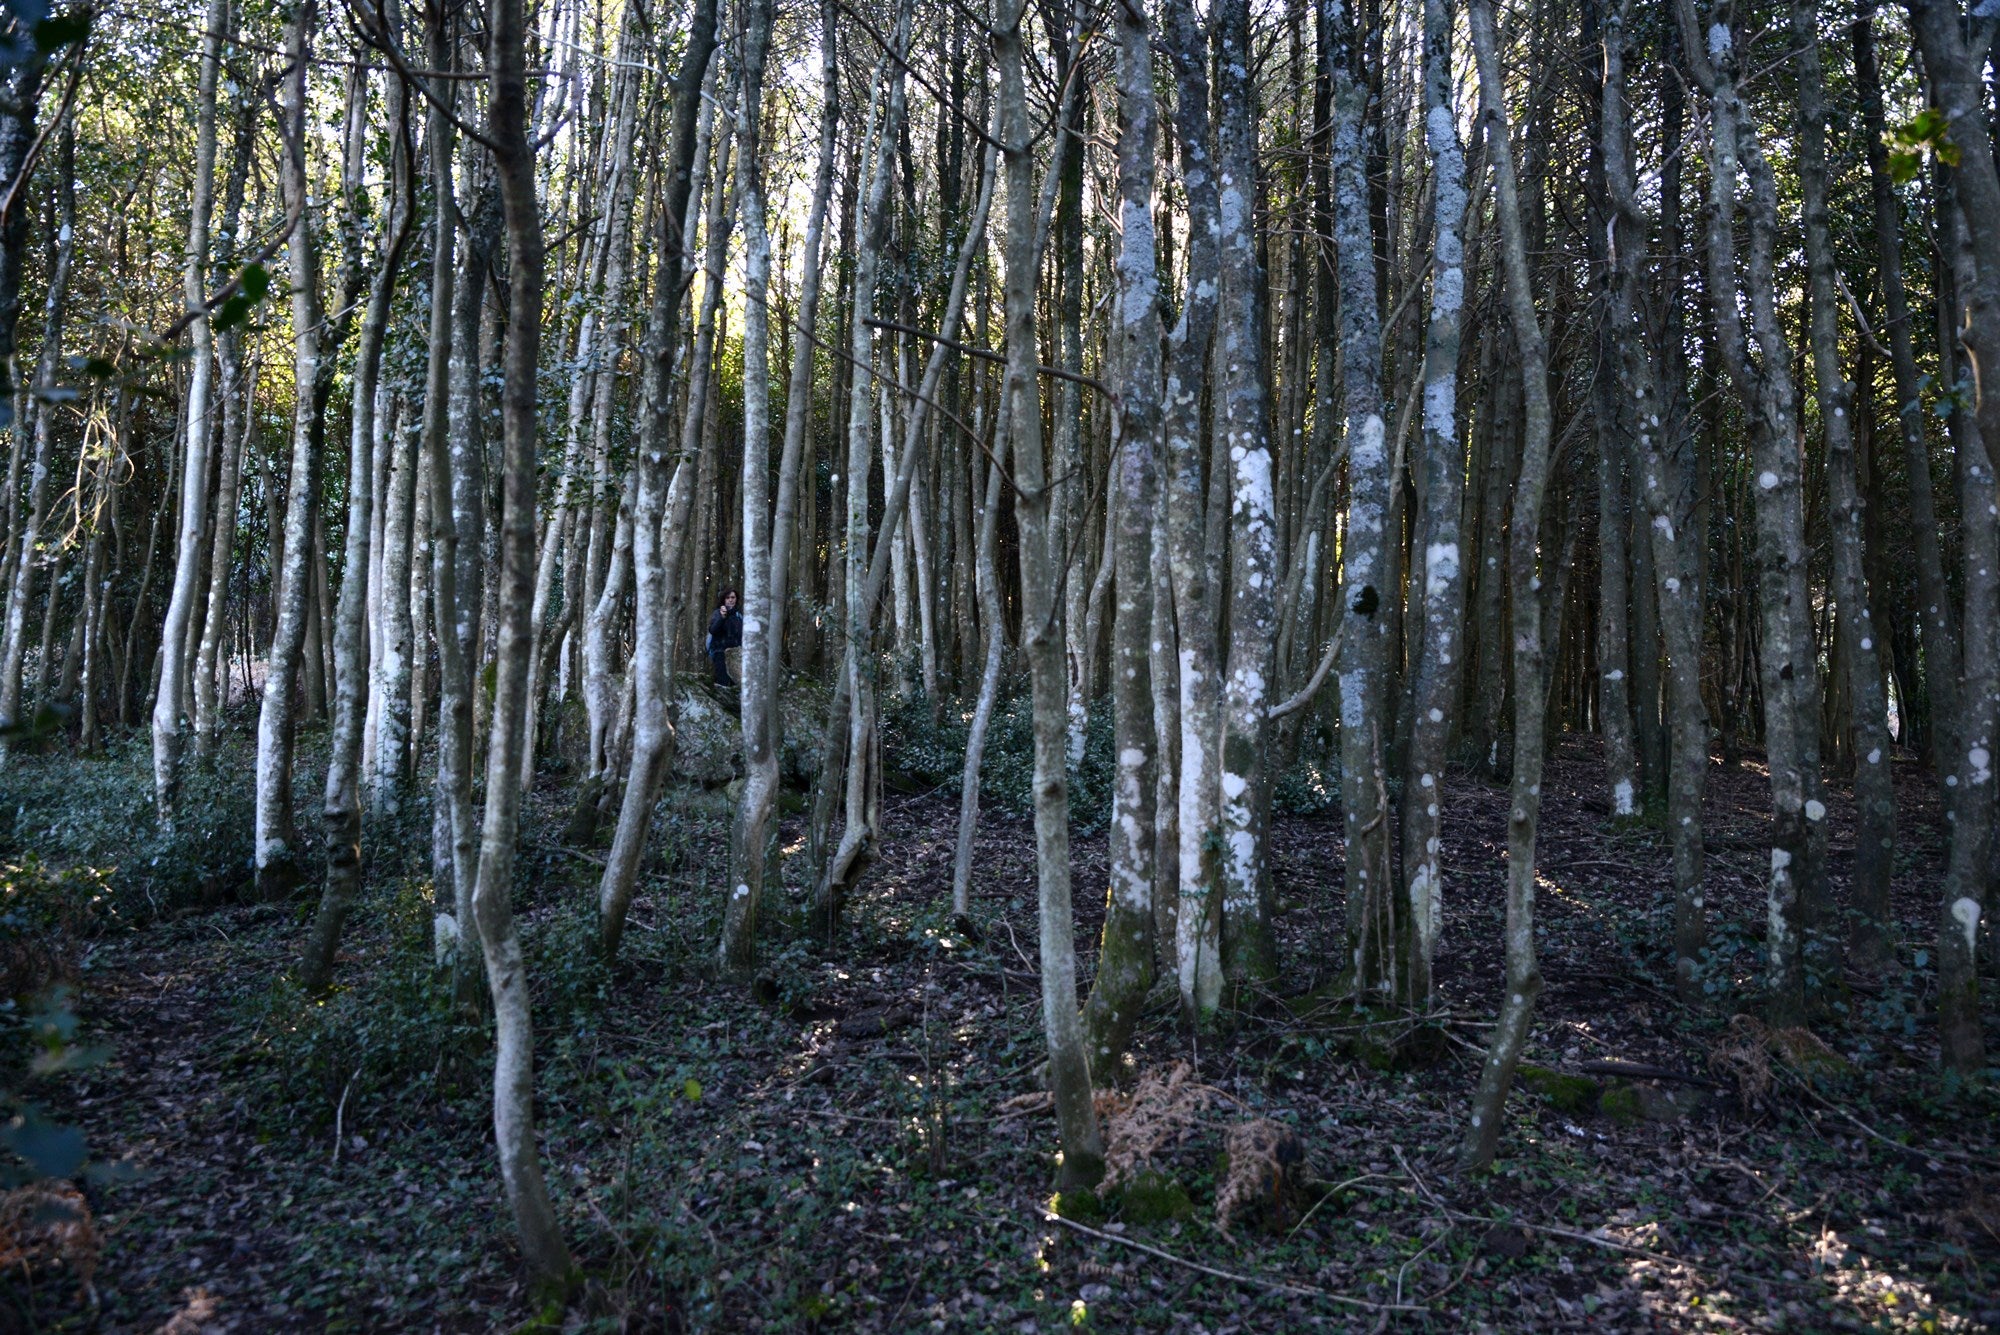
(862, 1148)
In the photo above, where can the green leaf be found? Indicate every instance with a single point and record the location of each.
(692, 1089)
(256, 281)
(1903, 166)
(51, 1150)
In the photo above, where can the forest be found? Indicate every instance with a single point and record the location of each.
(888, 665)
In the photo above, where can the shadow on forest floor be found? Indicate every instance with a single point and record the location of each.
(865, 1151)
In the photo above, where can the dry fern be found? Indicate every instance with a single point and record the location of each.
(1266, 1163)
(47, 1222)
(1162, 1108)
(1745, 1052)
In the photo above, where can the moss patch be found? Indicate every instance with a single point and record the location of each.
(1152, 1197)
(1081, 1205)
(1571, 1093)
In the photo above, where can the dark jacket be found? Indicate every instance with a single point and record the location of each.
(725, 631)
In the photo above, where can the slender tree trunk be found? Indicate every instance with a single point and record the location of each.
(1523, 974)
(1198, 919)
(1667, 489)
(1125, 956)
(1786, 669)
(1937, 627)
(1434, 687)
(1973, 239)
(276, 857)
(653, 612)
(1372, 908)
(343, 797)
(1861, 657)
(506, 971)
(1069, 1067)
(738, 948)
(174, 664)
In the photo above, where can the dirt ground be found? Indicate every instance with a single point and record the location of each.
(861, 1147)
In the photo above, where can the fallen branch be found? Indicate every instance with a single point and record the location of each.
(1270, 1285)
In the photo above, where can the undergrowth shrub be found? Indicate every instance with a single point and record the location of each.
(97, 812)
(935, 755)
(45, 915)
(387, 1029)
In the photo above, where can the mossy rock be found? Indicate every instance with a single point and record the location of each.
(1081, 1205)
(1570, 1093)
(1152, 1197)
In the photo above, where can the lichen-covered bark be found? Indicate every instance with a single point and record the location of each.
(342, 807)
(653, 608)
(1125, 957)
(1972, 242)
(174, 664)
(1787, 674)
(1198, 920)
(737, 950)
(1373, 907)
(1434, 685)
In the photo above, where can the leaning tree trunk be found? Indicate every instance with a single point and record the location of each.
(1069, 1067)
(1523, 973)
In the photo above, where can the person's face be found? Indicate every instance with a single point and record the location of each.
(729, 602)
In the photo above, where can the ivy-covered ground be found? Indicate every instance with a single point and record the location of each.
(861, 1146)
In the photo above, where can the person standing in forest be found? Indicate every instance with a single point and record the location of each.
(725, 632)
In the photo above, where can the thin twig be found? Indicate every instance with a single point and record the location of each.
(1272, 1285)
